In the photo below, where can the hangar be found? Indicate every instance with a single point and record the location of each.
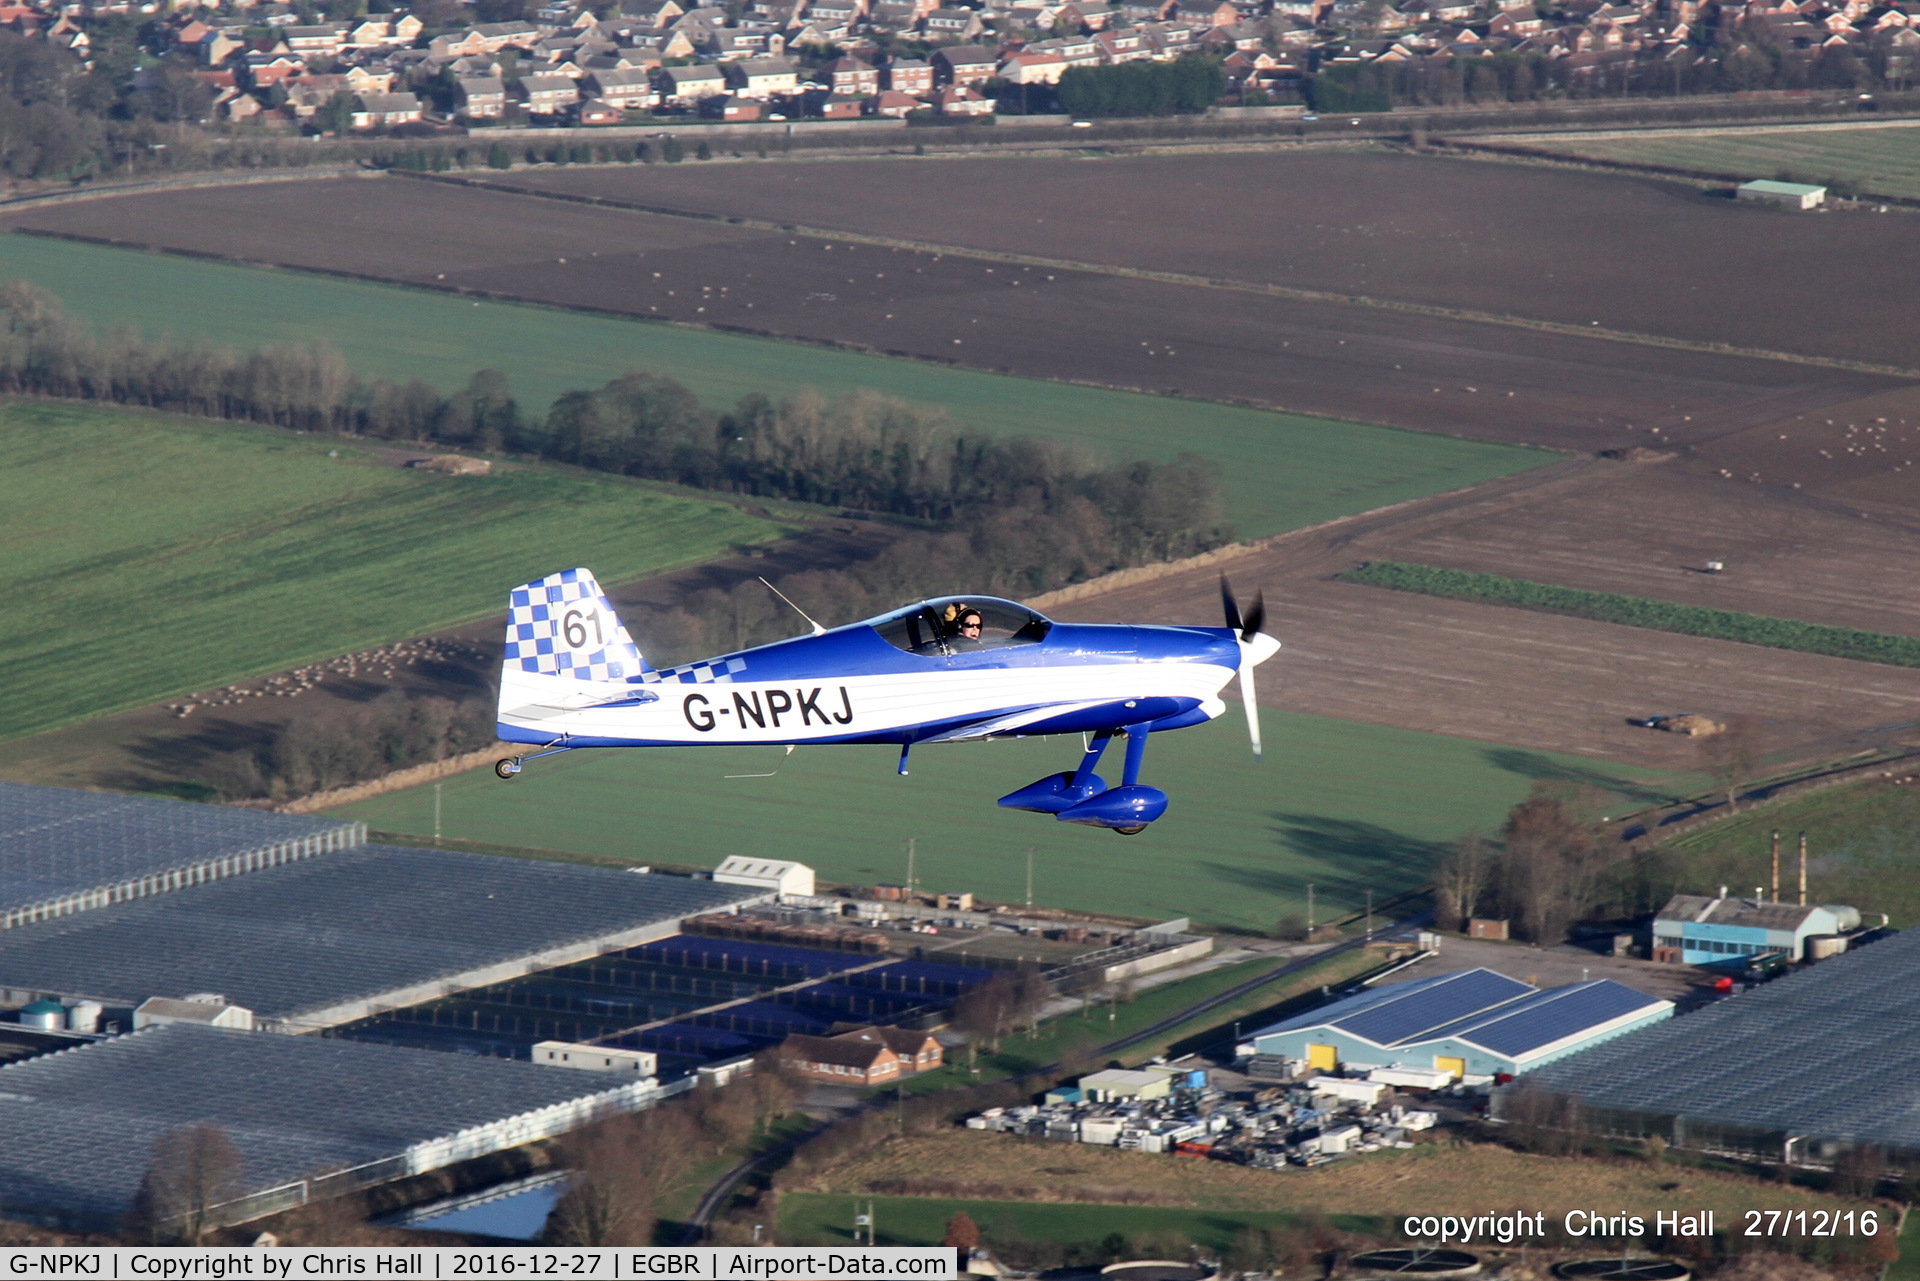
(1797, 1070)
(1467, 1022)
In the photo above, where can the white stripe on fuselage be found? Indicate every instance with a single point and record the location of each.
(800, 711)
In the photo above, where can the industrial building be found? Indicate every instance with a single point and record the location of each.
(1795, 1070)
(310, 1117)
(1694, 929)
(326, 940)
(1471, 1022)
(1788, 195)
(64, 851)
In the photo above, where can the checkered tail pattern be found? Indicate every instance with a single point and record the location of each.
(564, 625)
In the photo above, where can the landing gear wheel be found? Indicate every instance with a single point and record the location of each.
(507, 766)
(1130, 831)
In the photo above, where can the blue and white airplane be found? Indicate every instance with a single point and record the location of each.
(951, 669)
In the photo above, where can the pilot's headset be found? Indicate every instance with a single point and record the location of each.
(955, 613)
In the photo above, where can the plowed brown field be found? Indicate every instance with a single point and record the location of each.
(1487, 381)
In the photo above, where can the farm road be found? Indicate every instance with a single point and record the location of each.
(1541, 682)
(1486, 381)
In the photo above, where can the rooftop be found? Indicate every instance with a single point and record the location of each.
(294, 1106)
(57, 843)
(1490, 1010)
(1828, 1052)
(300, 940)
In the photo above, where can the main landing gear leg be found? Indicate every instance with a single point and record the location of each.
(1128, 808)
(1058, 792)
(508, 766)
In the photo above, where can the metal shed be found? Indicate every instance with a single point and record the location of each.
(1467, 1022)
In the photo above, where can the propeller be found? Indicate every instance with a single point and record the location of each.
(1255, 648)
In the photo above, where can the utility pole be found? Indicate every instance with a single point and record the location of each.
(436, 813)
(1369, 915)
(1029, 876)
(910, 886)
(1309, 913)
(1776, 867)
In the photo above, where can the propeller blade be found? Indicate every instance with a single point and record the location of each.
(1228, 604)
(1255, 617)
(1253, 708)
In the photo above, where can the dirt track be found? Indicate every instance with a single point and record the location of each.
(1480, 380)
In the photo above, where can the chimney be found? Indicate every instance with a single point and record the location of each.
(1803, 869)
(1776, 868)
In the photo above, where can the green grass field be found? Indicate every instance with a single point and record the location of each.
(150, 556)
(1343, 806)
(1859, 850)
(1881, 161)
(812, 1218)
(1279, 471)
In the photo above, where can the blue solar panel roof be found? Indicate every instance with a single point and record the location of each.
(1545, 1017)
(1413, 1015)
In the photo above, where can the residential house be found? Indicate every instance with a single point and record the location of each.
(908, 75)
(686, 86)
(310, 42)
(1033, 68)
(546, 95)
(236, 107)
(1076, 51)
(594, 113)
(1123, 45)
(631, 88)
(953, 24)
(732, 108)
(862, 1055)
(964, 64)
(377, 110)
(836, 14)
(889, 16)
(482, 97)
(1137, 11)
(1086, 15)
(1206, 13)
(762, 78)
(263, 70)
(961, 100)
(827, 105)
(893, 103)
(850, 77)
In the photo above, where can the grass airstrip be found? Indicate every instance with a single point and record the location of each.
(1341, 806)
(149, 555)
(1280, 471)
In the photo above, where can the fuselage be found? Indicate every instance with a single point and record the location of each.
(853, 684)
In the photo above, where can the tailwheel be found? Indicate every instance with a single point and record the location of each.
(507, 766)
(1135, 830)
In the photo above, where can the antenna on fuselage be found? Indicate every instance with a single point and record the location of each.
(817, 629)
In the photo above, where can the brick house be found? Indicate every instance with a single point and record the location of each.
(850, 76)
(732, 107)
(546, 95)
(630, 88)
(762, 77)
(688, 85)
(862, 1055)
(964, 64)
(373, 110)
(909, 75)
(482, 97)
(961, 100)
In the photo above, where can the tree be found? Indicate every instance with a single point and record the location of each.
(195, 1169)
(618, 1169)
(1462, 879)
(1734, 755)
(497, 157)
(962, 1234)
(1550, 867)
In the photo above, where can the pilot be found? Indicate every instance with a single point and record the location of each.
(963, 626)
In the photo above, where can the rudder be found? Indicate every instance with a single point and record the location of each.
(564, 625)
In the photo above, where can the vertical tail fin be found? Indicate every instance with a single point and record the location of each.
(564, 625)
